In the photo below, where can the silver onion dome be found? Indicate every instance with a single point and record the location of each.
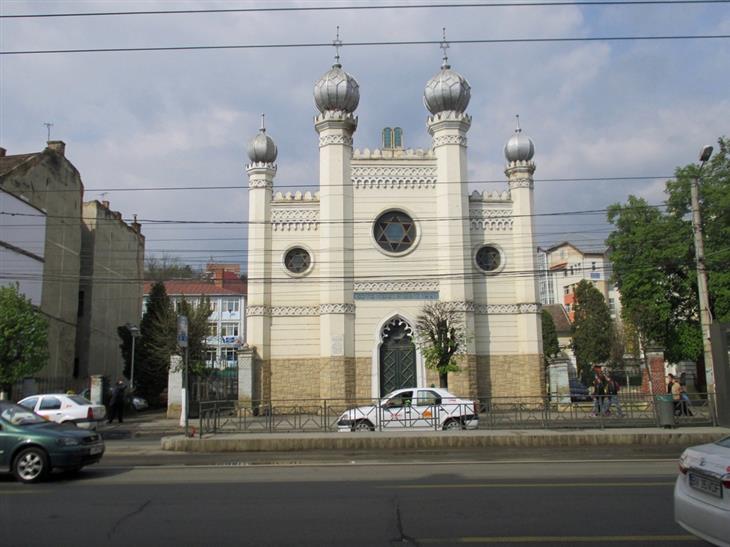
(447, 90)
(337, 90)
(261, 149)
(519, 147)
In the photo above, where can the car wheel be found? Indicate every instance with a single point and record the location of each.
(363, 425)
(452, 424)
(30, 465)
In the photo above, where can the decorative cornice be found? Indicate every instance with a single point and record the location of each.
(442, 140)
(336, 308)
(336, 119)
(448, 120)
(260, 183)
(256, 311)
(394, 177)
(493, 220)
(490, 196)
(494, 309)
(521, 183)
(296, 196)
(294, 218)
(259, 166)
(395, 286)
(326, 140)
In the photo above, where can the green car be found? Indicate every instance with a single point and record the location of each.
(30, 446)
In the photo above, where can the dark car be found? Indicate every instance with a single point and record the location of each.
(31, 446)
(578, 391)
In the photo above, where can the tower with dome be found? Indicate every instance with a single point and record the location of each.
(338, 277)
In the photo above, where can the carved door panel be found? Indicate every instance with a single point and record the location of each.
(397, 359)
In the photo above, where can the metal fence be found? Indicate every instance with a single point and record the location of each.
(328, 415)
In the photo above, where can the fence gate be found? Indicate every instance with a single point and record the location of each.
(219, 385)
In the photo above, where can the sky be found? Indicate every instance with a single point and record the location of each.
(137, 121)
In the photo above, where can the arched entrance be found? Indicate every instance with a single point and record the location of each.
(397, 356)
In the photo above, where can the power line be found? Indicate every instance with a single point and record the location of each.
(371, 44)
(285, 9)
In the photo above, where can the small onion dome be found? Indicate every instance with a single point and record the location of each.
(337, 90)
(261, 149)
(447, 90)
(519, 147)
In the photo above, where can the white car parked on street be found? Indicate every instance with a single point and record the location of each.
(62, 408)
(421, 408)
(702, 492)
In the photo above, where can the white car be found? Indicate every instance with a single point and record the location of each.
(421, 408)
(702, 492)
(62, 408)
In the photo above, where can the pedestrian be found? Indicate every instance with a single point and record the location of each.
(684, 402)
(116, 403)
(599, 394)
(612, 389)
(676, 396)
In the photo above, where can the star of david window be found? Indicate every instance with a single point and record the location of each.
(488, 258)
(297, 260)
(394, 231)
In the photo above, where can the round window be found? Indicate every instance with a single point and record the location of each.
(297, 260)
(488, 258)
(394, 231)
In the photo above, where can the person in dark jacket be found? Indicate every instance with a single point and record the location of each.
(116, 403)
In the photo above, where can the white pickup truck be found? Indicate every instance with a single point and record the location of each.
(421, 408)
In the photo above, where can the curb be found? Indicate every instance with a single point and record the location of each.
(434, 441)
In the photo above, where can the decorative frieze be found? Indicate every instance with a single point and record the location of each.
(396, 286)
(256, 311)
(477, 196)
(494, 309)
(441, 140)
(397, 295)
(394, 177)
(521, 183)
(492, 220)
(336, 308)
(326, 140)
(259, 183)
(294, 218)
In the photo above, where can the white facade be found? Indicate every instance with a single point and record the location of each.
(336, 275)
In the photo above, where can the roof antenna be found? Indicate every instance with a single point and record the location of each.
(338, 44)
(519, 129)
(444, 45)
(48, 126)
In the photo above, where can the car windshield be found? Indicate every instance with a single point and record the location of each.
(725, 443)
(79, 400)
(18, 415)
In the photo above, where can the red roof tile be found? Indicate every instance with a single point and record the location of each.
(196, 287)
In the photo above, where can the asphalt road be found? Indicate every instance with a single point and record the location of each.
(337, 503)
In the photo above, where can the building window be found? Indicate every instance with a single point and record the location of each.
(394, 231)
(488, 258)
(212, 329)
(593, 266)
(210, 356)
(229, 305)
(213, 306)
(397, 138)
(229, 329)
(228, 354)
(387, 137)
(566, 290)
(297, 260)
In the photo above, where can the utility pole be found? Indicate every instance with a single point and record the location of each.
(705, 318)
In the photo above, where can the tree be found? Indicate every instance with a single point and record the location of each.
(157, 343)
(653, 259)
(167, 267)
(197, 332)
(550, 345)
(23, 337)
(591, 328)
(440, 336)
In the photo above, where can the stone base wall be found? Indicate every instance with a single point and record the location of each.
(337, 378)
(463, 383)
(510, 376)
(363, 378)
(293, 378)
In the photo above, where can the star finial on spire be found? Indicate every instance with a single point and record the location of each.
(444, 45)
(263, 126)
(519, 129)
(338, 44)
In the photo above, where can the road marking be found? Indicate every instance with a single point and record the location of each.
(557, 539)
(527, 485)
(14, 492)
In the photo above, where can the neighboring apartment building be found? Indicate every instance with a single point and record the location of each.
(226, 290)
(22, 246)
(563, 266)
(110, 293)
(50, 184)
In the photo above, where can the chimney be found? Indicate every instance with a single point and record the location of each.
(2, 152)
(105, 203)
(57, 146)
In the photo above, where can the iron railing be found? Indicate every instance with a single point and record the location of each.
(324, 415)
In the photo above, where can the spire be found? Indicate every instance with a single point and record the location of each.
(338, 44)
(263, 126)
(444, 46)
(519, 129)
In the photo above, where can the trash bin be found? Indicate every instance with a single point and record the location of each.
(665, 410)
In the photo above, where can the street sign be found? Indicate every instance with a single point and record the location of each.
(182, 331)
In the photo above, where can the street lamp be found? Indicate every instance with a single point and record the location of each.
(705, 318)
(134, 333)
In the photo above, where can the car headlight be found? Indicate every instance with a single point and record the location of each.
(68, 441)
